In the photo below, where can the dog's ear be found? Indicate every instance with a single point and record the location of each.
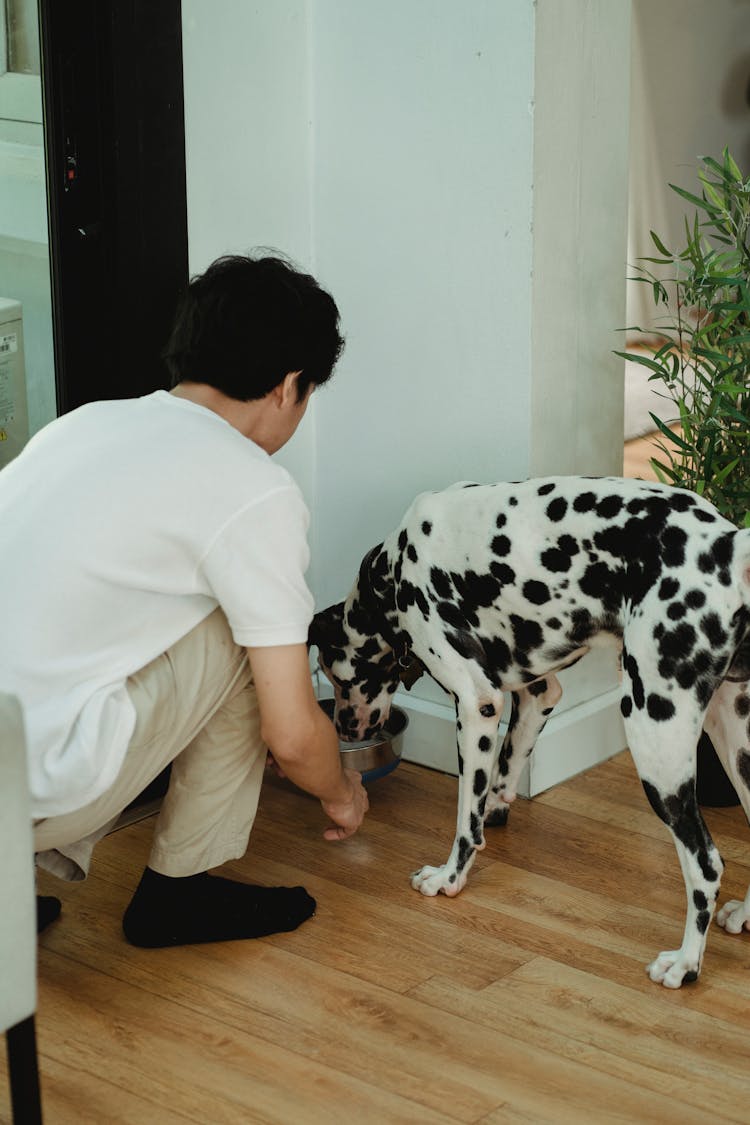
(326, 628)
(409, 670)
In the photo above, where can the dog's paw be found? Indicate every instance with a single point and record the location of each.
(496, 818)
(432, 880)
(672, 969)
(734, 917)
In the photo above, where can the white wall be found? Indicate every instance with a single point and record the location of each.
(248, 154)
(392, 148)
(422, 224)
(691, 72)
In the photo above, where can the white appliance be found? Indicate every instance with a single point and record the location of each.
(14, 417)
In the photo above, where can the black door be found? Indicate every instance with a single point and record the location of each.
(115, 148)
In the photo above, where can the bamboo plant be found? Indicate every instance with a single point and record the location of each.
(701, 350)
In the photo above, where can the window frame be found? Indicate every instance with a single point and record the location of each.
(20, 94)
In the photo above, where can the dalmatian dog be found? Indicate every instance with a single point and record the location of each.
(495, 588)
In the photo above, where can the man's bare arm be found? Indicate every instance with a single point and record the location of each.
(301, 737)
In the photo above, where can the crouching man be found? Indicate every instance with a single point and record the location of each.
(156, 609)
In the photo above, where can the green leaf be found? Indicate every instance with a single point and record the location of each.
(663, 472)
(673, 435)
(644, 361)
(713, 194)
(703, 204)
(722, 475)
(660, 246)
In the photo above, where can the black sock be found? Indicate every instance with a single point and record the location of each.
(199, 908)
(47, 909)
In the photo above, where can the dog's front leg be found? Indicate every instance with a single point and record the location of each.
(476, 730)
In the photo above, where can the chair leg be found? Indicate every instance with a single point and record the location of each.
(23, 1072)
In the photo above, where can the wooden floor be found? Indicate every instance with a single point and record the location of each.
(524, 999)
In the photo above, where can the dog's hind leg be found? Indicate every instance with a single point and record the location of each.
(532, 707)
(727, 724)
(662, 734)
(476, 729)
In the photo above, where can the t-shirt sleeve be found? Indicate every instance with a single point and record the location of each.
(255, 568)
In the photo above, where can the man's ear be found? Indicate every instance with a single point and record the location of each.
(289, 387)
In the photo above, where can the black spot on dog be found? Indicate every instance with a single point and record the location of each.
(475, 826)
(480, 782)
(485, 744)
(585, 502)
(706, 563)
(673, 546)
(723, 549)
(556, 561)
(743, 766)
(403, 539)
(411, 553)
(702, 921)
(609, 507)
(441, 582)
(704, 517)
(659, 708)
(526, 634)
(677, 643)
(426, 527)
(487, 710)
(680, 812)
(505, 574)
(537, 688)
(556, 509)
(501, 545)
(712, 630)
(631, 667)
(465, 850)
(695, 599)
(676, 611)
(536, 592)
(700, 900)
(626, 706)
(497, 657)
(501, 520)
(582, 627)
(553, 623)
(545, 489)
(597, 582)
(742, 705)
(476, 589)
(668, 588)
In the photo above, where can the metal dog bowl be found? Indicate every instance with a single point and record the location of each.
(374, 757)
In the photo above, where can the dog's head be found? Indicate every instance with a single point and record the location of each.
(357, 651)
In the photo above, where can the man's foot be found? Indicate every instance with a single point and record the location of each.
(47, 910)
(200, 908)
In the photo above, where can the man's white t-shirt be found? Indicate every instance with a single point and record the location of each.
(124, 524)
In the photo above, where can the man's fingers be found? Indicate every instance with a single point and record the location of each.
(338, 833)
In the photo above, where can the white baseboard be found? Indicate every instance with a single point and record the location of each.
(587, 733)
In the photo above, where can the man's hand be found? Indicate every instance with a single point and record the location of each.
(347, 815)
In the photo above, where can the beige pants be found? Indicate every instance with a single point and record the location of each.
(196, 707)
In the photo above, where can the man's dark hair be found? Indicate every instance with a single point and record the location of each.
(246, 322)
